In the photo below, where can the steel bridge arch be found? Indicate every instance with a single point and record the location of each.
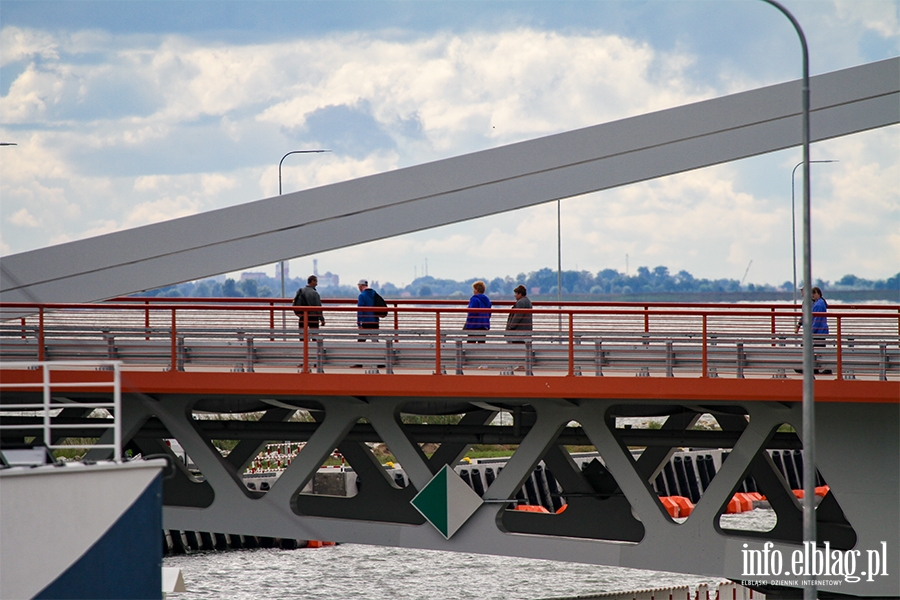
(455, 189)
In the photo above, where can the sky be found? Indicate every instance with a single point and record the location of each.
(130, 113)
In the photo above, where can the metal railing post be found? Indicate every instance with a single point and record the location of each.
(305, 341)
(389, 356)
(174, 364)
(598, 358)
(571, 344)
(670, 359)
(773, 326)
(46, 381)
(250, 353)
(41, 334)
(704, 360)
(437, 343)
(117, 407)
(529, 358)
(840, 356)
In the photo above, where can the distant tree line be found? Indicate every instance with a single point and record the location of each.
(542, 282)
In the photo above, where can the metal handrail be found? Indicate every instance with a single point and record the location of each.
(240, 324)
(47, 405)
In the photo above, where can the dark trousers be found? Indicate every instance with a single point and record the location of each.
(367, 325)
(313, 325)
(476, 336)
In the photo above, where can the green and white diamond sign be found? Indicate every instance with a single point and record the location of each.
(446, 501)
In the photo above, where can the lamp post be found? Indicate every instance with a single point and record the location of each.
(794, 226)
(559, 265)
(808, 436)
(281, 268)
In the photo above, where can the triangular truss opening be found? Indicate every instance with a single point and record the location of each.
(776, 475)
(582, 496)
(359, 480)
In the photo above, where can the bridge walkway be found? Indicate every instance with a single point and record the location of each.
(746, 341)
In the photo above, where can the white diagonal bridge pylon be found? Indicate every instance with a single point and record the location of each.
(455, 189)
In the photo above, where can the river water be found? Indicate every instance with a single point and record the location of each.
(373, 572)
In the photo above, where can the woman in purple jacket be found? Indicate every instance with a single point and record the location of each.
(819, 326)
(478, 320)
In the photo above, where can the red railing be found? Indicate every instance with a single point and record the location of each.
(717, 326)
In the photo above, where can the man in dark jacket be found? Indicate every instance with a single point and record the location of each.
(520, 321)
(308, 296)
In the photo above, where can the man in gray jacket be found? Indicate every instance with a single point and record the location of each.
(520, 321)
(308, 296)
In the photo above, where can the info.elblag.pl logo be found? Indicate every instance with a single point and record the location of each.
(815, 562)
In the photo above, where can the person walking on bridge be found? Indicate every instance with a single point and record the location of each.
(819, 325)
(520, 321)
(479, 321)
(308, 296)
(366, 319)
(521, 324)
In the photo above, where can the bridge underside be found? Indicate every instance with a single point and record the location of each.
(613, 517)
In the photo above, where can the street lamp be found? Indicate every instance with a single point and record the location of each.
(559, 265)
(808, 410)
(283, 318)
(793, 225)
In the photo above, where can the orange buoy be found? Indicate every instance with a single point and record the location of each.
(532, 508)
(671, 507)
(745, 500)
(685, 506)
(734, 507)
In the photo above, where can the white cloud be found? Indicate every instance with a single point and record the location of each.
(429, 96)
(23, 218)
(878, 16)
(25, 44)
(161, 210)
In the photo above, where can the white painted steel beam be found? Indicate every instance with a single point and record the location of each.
(455, 189)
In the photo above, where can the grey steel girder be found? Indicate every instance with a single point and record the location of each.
(858, 456)
(455, 189)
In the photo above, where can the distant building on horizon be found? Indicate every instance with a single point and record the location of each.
(329, 279)
(256, 275)
(287, 270)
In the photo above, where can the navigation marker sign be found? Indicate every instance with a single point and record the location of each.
(446, 501)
